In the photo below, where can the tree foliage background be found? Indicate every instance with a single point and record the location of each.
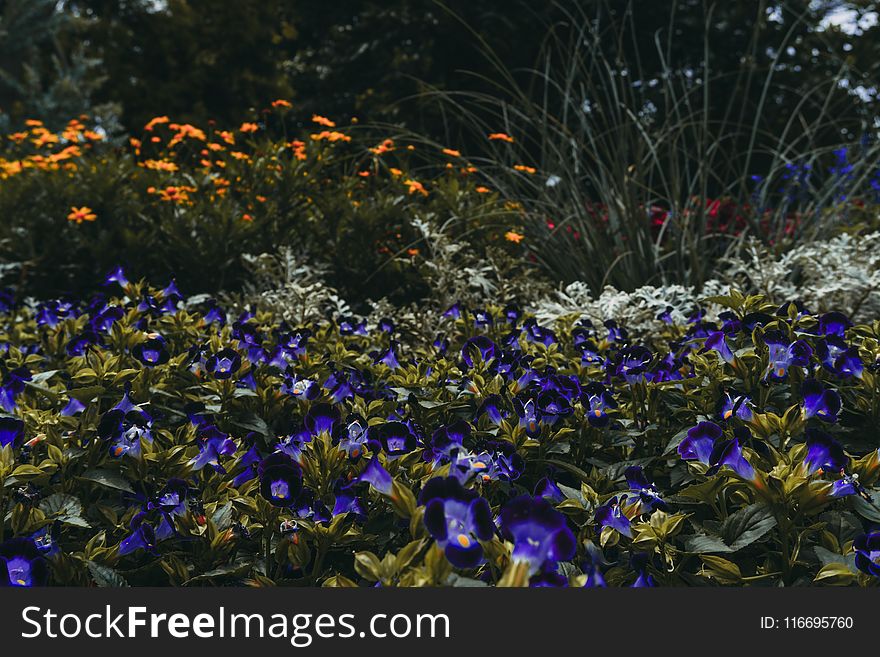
(216, 59)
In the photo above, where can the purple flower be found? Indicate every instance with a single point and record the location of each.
(457, 518)
(867, 548)
(394, 438)
(717, 342)
(734, 403)
(539, 532)
(352, 438)
(11, 431)
(478, 345)
(784, 355)
(152, 351)
(611, 515)
(596, 401)
(224, 363)
(321, 418)
(700, 442)
(820, 402)
(21, 563)
(281, 480)
(834, 323)
(213, 444)
(377, 477)
(141, 537)
(645, 490)
(824, 454)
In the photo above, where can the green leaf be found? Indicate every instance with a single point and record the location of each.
(868, 510)
(64, 508)
(722, 570)
(368, 566)
(106, 577)
(747, 525)
(835, 574)
(108, 479)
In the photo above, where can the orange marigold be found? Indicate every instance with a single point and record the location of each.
(82, 214)
(514, 237)
(323, 120)
(415, 187)
(500, 136)
(451, 152)
(524, 168)
(249, 127)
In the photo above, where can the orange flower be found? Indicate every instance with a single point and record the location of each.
(500, 136)
(156, 121)
(227, 136)
(384, 147)
(330, 136)
(323, 120)
(482, 190)
(364, 174)
(524, 168)
(415, 187)
(281, 103)
(159, 165)
(246, 217)
(395, 172)
(82, 214)
(249, 127)
(33, 123)
(18, 137)
(451, 152)
(299, 149)
(514, 237)
(412, 252)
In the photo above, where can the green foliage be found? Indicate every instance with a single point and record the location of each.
(190, 204)
(87, 478)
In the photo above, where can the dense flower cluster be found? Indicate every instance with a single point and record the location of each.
(147, 440)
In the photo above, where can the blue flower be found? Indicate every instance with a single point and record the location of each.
(784, 355)
(639, 563)
(123, 427)
(213, 444)
(596, 401)
(491, 408)
(281, 480)
(377, 477)
(457, 519)
(699, 443)
(644, 489)
(824, 454)
(116, 276)
(141, 537)
(152, 351)
(820, 402)
(735, 403)
(352, 437)
(321, 418)
(834, 323)
(717, 342)
(539, 532)
(394, 438)
(11, 431)
(224, 363)
(730, 454)
(611, 515)
(21, 563)
(632, 363)
(478, 345)
(867, 548)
